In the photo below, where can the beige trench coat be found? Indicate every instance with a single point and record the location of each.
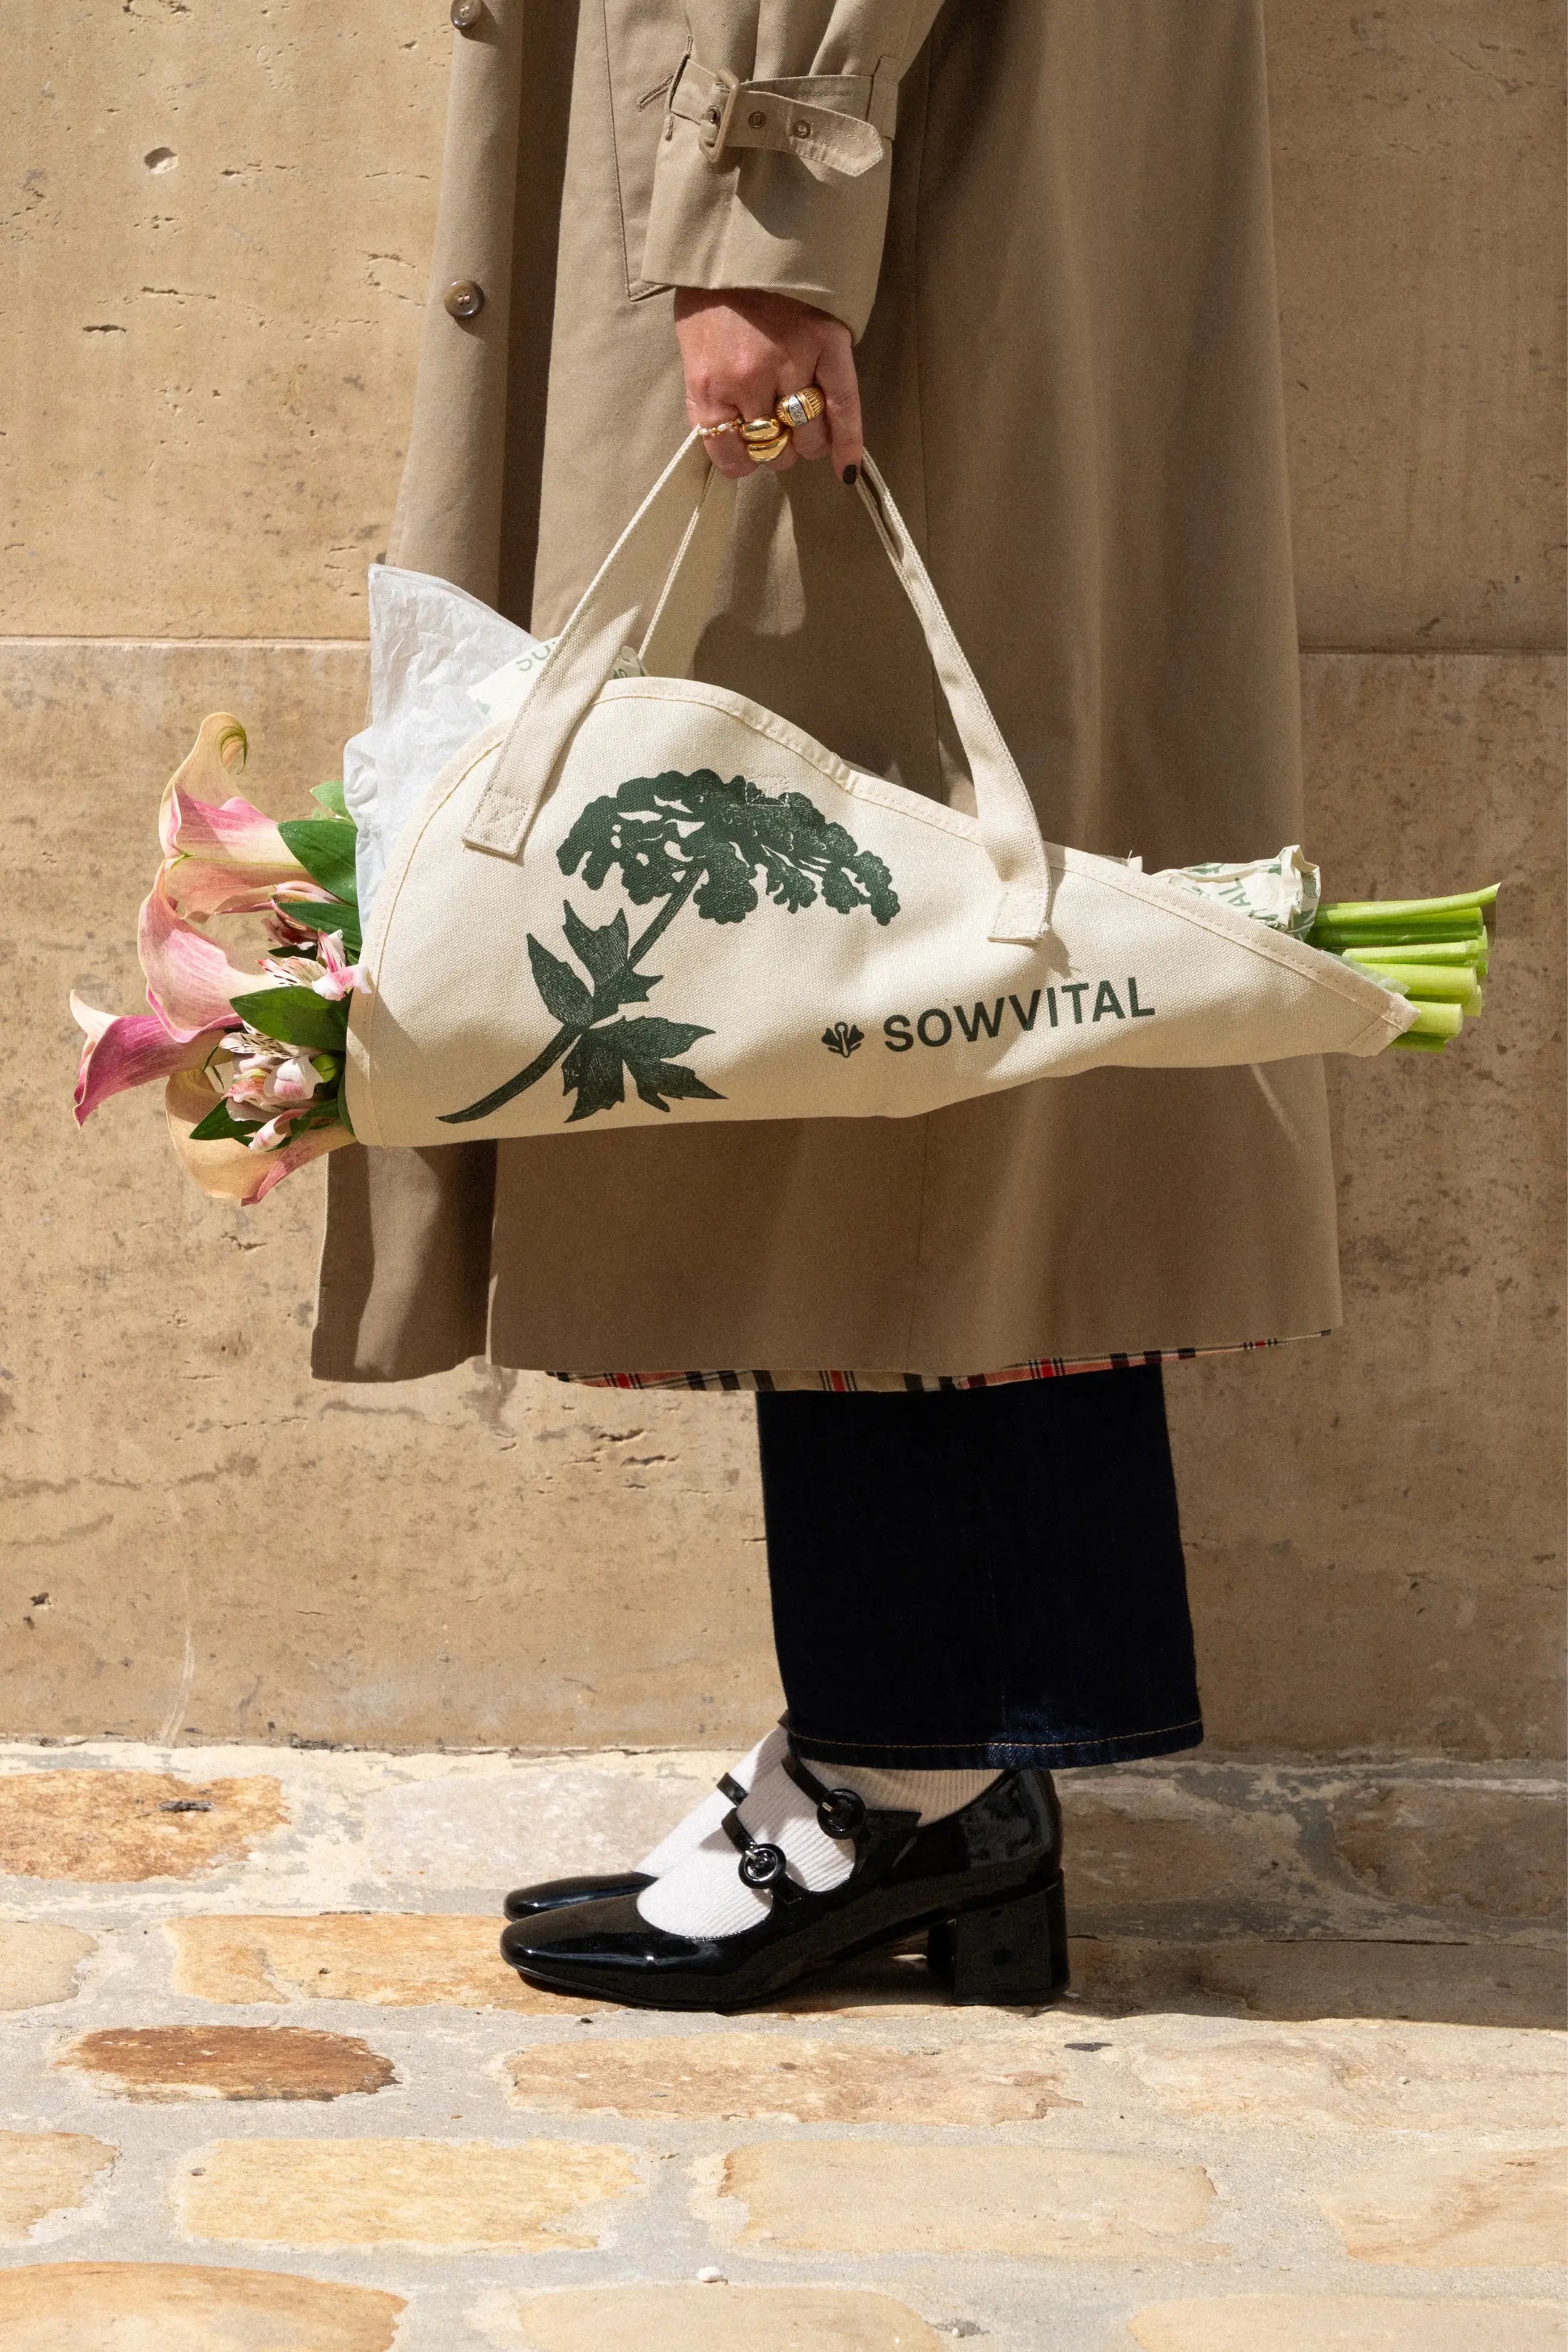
(1048, 223)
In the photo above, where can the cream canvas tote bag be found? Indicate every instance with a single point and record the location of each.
(644, 898)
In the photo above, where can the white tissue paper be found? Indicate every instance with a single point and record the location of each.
(430, 644)
(1280, 891)
(441, 665)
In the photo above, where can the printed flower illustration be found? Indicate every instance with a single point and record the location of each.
(674, 837)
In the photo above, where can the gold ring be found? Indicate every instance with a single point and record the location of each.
(804, 407)
(766, 439)
(730, 424)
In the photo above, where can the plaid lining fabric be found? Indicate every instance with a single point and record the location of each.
(1038, 1367)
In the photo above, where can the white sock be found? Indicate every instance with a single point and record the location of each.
(706, 1817)
(703, 1893)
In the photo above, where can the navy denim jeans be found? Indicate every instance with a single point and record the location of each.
(979, 1575)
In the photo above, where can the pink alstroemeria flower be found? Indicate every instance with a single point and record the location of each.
(326, 969)
(231, 1170)
(190, 981)
(223, 858)
(127, 1049)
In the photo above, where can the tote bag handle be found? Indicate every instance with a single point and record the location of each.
(657, 581)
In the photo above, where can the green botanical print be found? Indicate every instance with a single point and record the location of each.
(673, 838)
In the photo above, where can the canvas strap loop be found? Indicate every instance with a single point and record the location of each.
(840, 122)
(656, 587)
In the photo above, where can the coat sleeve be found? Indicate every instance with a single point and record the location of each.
(776, 151)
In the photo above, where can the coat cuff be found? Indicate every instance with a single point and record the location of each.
(780, 185)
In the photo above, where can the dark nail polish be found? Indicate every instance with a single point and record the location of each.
(851, 476)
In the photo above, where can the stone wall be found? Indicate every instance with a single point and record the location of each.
(219, 221)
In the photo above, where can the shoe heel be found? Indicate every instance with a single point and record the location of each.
(1017, 1953)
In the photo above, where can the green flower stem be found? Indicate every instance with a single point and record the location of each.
(1385, 909)
(1440, 984)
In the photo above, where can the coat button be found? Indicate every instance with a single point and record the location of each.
(463, 298)
(465, 14)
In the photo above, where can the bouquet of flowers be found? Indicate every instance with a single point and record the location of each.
(253, 1060)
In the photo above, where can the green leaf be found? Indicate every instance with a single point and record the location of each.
(563, 993)
(297, 1016)
(331, 798)
(594, 1067)
(325, 848)
(221, 1126)
(332, 915)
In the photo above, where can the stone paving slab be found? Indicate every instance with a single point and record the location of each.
(1340, 2129)
(41, 1961)
(715, 2318)
(1348, 2323)
(165, 2308)
(227, 2061)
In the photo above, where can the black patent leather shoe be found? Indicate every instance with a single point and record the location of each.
(986, 1886)
(554, 1894)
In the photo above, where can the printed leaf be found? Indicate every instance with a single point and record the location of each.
(325, 848)
(331, 798)
(563, 993)
(297, 1016)
(606, 954)
(594, 1067)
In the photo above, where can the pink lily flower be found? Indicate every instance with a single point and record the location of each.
(123, 1050)
(231, 1170)
(190, 981)
(223, 858)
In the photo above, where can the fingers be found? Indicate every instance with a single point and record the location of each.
(811, 440)
(841, 389)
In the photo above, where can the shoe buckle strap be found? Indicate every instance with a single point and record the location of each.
(765, 1868)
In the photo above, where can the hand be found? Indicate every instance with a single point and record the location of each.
(743, 350)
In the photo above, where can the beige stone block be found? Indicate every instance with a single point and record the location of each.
(748, 2075)
(40, 1960)
(1448, 2211)
(46, 2172)
(1183, 1852)
(1347, 2322)
(1418, 164)
(1372, 1522)
(226, 2061)
(123, 2306)
(1356, 2076)
(220, 244)
(533, 2196)
(118, 1826)
(704, 2319)
(389, 1959)
(1443, 1984)
(882, 2197)
(1456, 1849)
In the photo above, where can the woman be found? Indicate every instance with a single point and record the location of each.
(1028, 242)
